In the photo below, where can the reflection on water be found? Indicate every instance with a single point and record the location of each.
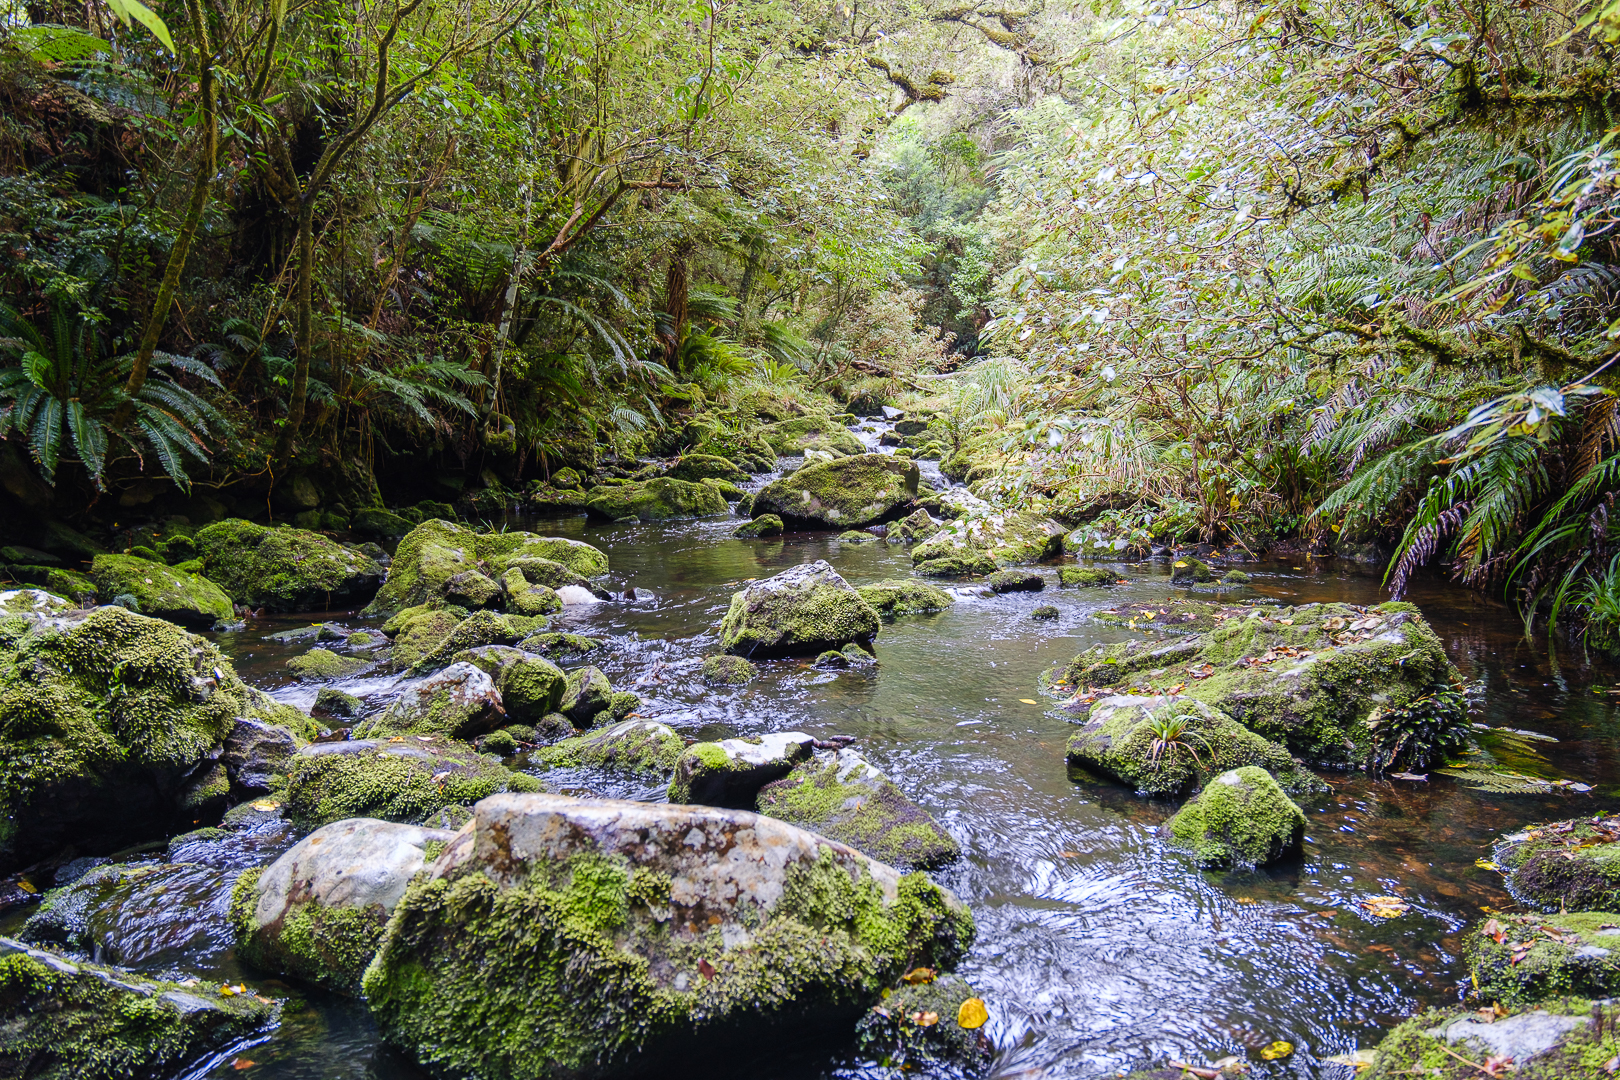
(1097, 947)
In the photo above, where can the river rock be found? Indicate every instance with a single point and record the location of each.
(551, 574)
(1006, 581)
(70, 1020)
(696, 467)
(983, 535)
(728, 670)
(587, 694)
(31, 604)
(459, 702)
(764, 525)
(731, 772)
(844, 797)
(558, 646)
(1169, 746)
(802, 610)
(1564, 865)
(918, 1027)
(255, 753)
(147, 914)
(1190, 569)
(593, 938)
(524, 598)
(915, 527)
(904, 596)
(444, 563)
(799, 433)
(1240, 818)
(1544, 956)
(318, 912)
(628, 746)
(1340, 685)
(1086, 577)
(113, 724)
(416, 632)
(478, 629)
(285, 569)
(848, 493)
(164, 592)
(408, 781)
(656, 500)
(324, 665)
(530, 685)
(1545, 1044)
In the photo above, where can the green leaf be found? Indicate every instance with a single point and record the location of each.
(127, 10)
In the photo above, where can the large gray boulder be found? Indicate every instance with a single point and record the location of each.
(846, 493)
(560, 937)
(802, 610)
(318, 912)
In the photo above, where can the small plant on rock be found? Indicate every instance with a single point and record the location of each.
(1172, 734)
(1424, 730)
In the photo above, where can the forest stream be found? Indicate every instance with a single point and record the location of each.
(1098, 947)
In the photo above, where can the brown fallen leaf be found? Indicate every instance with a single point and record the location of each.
(242, 1063)
(706, 968)
(926, 1019)
(919, 976)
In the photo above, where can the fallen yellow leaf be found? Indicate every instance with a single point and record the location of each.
(1386, 907)
(26, 886)
(1276, 1051)
(917, 976)
(1029, 701)
(972, 1014)
(266, 805)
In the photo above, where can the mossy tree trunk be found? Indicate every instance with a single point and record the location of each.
(676, 289)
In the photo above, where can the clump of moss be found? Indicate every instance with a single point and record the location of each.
(285, 569)
(764, 525)
(728, 670)
(324, 664)
(165, 592)
(802, 610)
(630, 745)
(848, 492)
(1241, 817)
(916, 1025)
(1419, 1046)
(1045, 612)
(1086, 577)
(1539, 957)
(558, 646)
(1565, 865)
(77, 1021)
(440, 562)
(392, 782)
(656, 500)
(328, 946)
(479, 628)
(903, 596)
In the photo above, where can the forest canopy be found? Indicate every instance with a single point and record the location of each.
(1337, 278)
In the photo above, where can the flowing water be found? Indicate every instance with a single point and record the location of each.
(1098, 948)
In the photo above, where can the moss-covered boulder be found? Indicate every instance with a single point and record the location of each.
(550, 574)
(526, 598)
(980, 534)
(728, 670)
(904, 596)
(802, 610)
(1564, 865)
(164, 592)
(459, 702)
(324, 664)
(657, 500)
(417, 632)
(1235, 577)
(931, 1023)
(1242, 817)
(1086, 577)
(856, 536)
(1338, 684)
(586, 696)
(696, 467)
(844, 797)
(1518, 960)
(731, 772)
(583, 938)
(1568, 1040)
(797, 434)
(111, 724)
(628, 746)
(440, 562)
(406, 781)
(915, 527)
(848, 493)
(285, 569)
(1173, 745)
(480, 628)
(957, 564)
(531, 686)
(70, 1020)
(1189, 569)
(1006, 581)
(317, 913)
(764, 525)
(560, 646)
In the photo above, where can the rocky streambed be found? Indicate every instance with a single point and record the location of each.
(606, 795)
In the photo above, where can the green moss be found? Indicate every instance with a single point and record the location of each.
(165, 592)
(1565, 865)
(902, 596)
(326, 946)
(899, 1033)
(1415, 1048)
(324, 664)
(393, 783)
(696, 467)
(1544, 956)
(523, 598)
(284, 569)
(445, 563)
(1087, 577)
(419, 631)
(479, 628)
(728, 670)
(657, 500)
(804, 609)
(65, 1021)
(849, 492)
(957, 565)
(1240, 817)
(557, 645)
(855, 536)
(982, 534)
(844, 798)
(631, 745)
(764, 525)
(1234, 577)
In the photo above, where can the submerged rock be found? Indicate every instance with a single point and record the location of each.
(802, 610)
(285, 569)
(764, 525)
(459, 702)
(628, 746)
(844, 797)
(1170, 746)
(144, 913)
(317, 913)
(1240, 818)
(847, 493)
(904, 596)
(727, 670)
(164, 592)
(731, 772)
(1564, 865)
(585, 938)
(442, 563)
(921, 1024)
(1522, 959)
(408, 782)
(656, 500)
(1338, 684)
(69, 1020)
(114, 724)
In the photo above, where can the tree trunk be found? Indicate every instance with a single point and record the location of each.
(304, 329)
(200, 185)
(676, 288)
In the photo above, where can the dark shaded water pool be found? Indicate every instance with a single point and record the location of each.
(1098, 948)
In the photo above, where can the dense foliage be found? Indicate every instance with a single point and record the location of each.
(1335, 275)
